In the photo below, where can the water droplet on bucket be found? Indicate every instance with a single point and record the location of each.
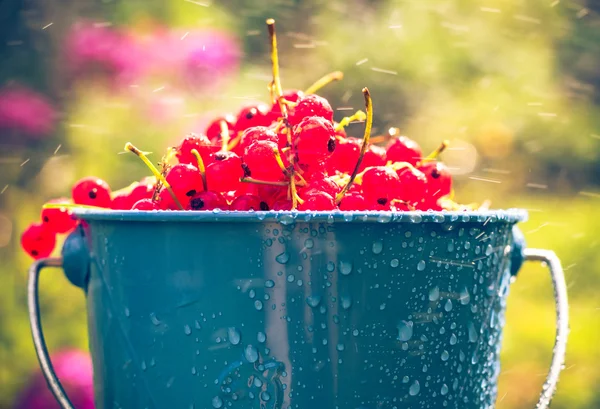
(346, 301)
(421, 265)
(414, 388)
(282, 258)
(330, 266)
(187, 330)
(261, 337)
(434, 294)
(251, 354)
(405, 330)
(269, 283)
(234, 335)
(217, 402)
(258, 383)
(448, 306)
(309, 243)
(258, 305)
(444, 389)
(377, 247)
(465, 297)
(453, 339)
(445, 355)
(394, 263)
(472, 332)
(265, 396)
(313, 300)
(340, 347)
(345, 267)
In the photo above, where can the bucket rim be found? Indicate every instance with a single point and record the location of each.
(289, 217)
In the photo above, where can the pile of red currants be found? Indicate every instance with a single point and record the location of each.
(289, 155)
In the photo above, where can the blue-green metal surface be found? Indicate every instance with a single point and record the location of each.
(265, 310)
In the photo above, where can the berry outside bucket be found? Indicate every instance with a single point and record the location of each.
(293, 310)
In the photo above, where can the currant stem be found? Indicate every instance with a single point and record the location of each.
(280, 162)
(201, 167)
(129, 147)
(365, 144)
(433, 155)
(323, 81)
(69, 206)
(224, 135)
(278, 91)
(357, 116)
(262, 182)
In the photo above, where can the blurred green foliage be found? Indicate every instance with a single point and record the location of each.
(512, 83)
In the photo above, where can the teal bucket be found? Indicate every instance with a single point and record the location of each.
(265, 310)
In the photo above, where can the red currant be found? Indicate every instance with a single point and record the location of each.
(253, 115)
(260, 162)
(310, 105)
(413, 183)
(314, 140)
(225, 172)
(207, 200)
(248, 202)
(283, 205)
(199, 142)
(58, 220)
(439, 182)
(166, 202)
(317, 200)
(92, 191)
(354, 202)
(38, 241)
(256, 133)
(374, 156)
(289, 95)
(185, 180)
(345, 156)
(213, 131)
(145, 204)
(380, 184)
(404, 149)
(320, 181)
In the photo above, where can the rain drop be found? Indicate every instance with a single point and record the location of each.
(445, 355)
(258, 305)
(448, 305)
(421, 265)
(313, 300)
(405, 330)
(453, 339)
(269, 283)
(340, 347)
(187, 330)
(234, 335)
(444, 389)
(346, 301)
(465, 297)
(414, 388)
(345, 267)
(258, 383)
(309, 243)
(261, 337)
(251, 354)
(377, 247)
(217, 402)
(330, 266)
(472, 332)
(265, 396)
(282, 258)
(434, 294)
(394, 263)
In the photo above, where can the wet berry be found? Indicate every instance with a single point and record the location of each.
(58, 220)
(248, 202)
(38, 241)
(199, 142)
(260, 162)
(282, 205)
(91, 191)
(213, 130)
(145, 204)
(380, 184)
(354, 202)
(310, 105)
(256, 133)
(413, 184)
(185, 180)
(404, 149)
(225, 172)
(207, 200)
(439, 182)
(314, 140)
(317, 201)
(253, 115)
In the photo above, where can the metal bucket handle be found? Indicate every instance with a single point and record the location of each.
(78, 276)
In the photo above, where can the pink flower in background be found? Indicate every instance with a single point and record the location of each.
(26, 112)
(74, 369)
(100, 49)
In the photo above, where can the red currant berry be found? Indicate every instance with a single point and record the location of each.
(254, 115)
(256, 133)
(413, 183)
(316, 200)
(207, 200)
(38, 241)
(374, 156)
(144, 190)
(404, 149)
(289, 95)
(345, 156)
(439, 181)
(310, 105)
(58, 220)
(283, 205)
(166, 202)
(380, 184)
(145, 204)
(213, 131)
(314, 140)
(354, 202)
(92, 191)
(199, 142)
(320, 181)
(225, 172)
(260, 162)
(185, 180)
(248, 202)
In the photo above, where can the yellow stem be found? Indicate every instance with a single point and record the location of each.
(365, 144)
(280, 162)
(323, 81)
(358, 116)
(433, 155)
(69, 206)
(201, 167)
(129, 147)
(224, 135)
